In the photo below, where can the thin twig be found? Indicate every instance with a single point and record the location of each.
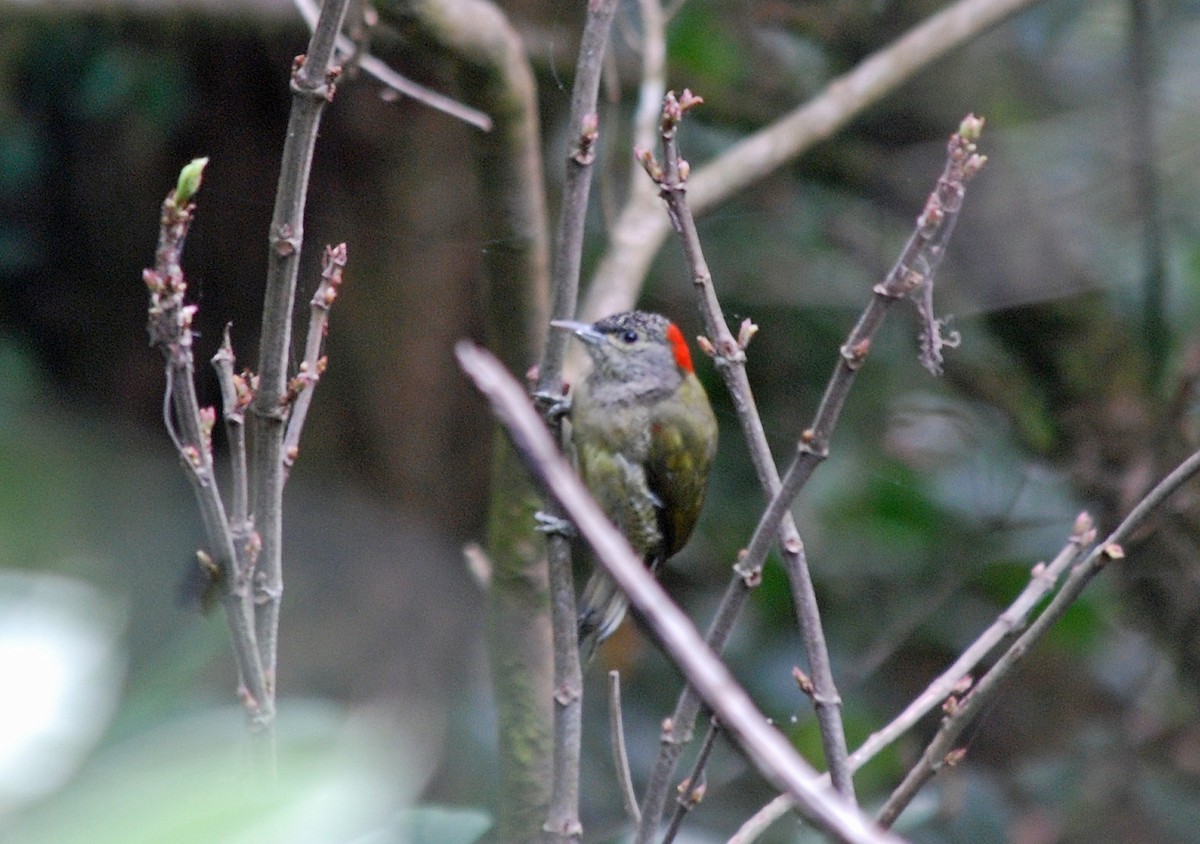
(765, 747)
(313, 366)
(729, 355)
(312, 87)
(691, 791)
(397, 82)
(940, 750)
(235, 398)
(237, 391)
(912, 273)
(640, 229)
(616, 730)
(170, 328)
(731, 358)
(568, 241)
(562, 823)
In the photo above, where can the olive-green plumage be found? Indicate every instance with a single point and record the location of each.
(644, 437)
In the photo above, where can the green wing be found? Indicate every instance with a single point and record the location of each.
(683, 441)
(622, 490)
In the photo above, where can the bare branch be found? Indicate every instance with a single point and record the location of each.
(302, 387)
(941, 748)
(312, 87)
(729, 355)
(616, 729)
(916, 264)
(235, 398)
(950, 683)
(563, 820)
(691, 791)
(170, 328)
(767, 749)
(397, 82)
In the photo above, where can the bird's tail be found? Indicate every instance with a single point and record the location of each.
(601, 608)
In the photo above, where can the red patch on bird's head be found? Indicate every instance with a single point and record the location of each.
(679, 347)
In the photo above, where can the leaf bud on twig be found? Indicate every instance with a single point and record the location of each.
(190, 178)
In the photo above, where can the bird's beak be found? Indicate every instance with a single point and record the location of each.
(583, 330)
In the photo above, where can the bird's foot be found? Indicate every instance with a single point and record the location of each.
(552, 525)
(554, 406)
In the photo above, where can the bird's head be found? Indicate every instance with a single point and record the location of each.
(634, 347)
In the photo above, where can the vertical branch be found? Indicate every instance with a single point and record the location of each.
(563, 821)
(691, 790)
(494, 74)
(235, 398)
(312, 86)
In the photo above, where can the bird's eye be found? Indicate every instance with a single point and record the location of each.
(630, 336)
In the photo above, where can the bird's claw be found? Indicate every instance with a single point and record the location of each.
(554, 405)
(552, 525)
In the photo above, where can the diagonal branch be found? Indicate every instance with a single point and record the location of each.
(912, 273)
(730, 358)
(766, 748)
(956, 679)
(940, 750)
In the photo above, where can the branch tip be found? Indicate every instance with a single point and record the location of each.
(653, 169)
(971, 127)
(190, 179)
(1082, 527)
(803, 681)
(746, 332)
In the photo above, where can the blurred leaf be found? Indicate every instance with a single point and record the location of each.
(62, 660)
(188, 781)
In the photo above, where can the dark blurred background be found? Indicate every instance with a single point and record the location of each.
(1072, 278)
